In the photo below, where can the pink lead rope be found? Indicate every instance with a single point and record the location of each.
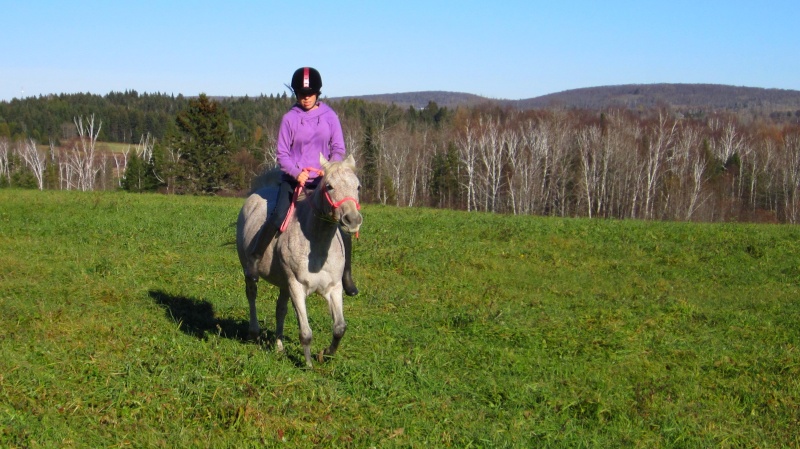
(297, 190)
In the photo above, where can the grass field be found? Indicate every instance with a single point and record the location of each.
(115, 147)
(112, 147)
(124, 319)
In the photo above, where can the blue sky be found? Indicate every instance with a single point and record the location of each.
(498, 49)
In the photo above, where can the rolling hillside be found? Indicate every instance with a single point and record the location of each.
(683, 97)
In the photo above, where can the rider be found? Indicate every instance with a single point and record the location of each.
(308, 129)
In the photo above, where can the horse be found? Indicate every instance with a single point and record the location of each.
(308, 256)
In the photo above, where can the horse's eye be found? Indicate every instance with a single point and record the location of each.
(328, 187)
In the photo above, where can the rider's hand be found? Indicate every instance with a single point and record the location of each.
(302, 177)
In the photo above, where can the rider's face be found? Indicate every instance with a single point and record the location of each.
(307, 101)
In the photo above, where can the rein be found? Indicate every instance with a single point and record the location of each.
(301, 187)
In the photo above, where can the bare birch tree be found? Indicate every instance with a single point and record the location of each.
(594, 163)
(5, 169)
(686, 166)
(521, 177)
(760, 161)
(396, 159)
(468, 156)
(352, 145)
(81, 159)
(34, 159)
(491, 155)
(542, 143)
(121, 163)
(729, 144)
(626, 138)
(559, 176)
(659, 144)
(419, 167)
(622, 191)
(791, 177)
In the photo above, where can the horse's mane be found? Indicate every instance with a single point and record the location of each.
(272, 177)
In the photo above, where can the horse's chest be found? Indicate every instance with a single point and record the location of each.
(308, 262)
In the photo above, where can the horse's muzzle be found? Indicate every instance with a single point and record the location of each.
(350, 221)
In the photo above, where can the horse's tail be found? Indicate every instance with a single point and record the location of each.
(271, 177)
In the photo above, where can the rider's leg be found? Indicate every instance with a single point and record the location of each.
(347, 277)
(274, 221)
(262, 239)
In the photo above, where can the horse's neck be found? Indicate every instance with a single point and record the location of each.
(311, 218)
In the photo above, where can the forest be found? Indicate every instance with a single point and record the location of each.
(647, 163)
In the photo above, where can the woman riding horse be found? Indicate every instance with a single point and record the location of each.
(310, 129)
(309, 255)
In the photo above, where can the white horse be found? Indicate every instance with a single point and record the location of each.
(308, 256)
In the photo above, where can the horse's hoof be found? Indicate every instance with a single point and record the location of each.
(324, 355)
(278, 346)
(254, 335)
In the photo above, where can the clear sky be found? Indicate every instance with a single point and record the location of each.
(494, 48)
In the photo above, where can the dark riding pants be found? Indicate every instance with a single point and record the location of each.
(285, 195)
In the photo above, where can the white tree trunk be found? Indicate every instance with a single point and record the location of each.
(34, 160)
(5, 169)
(81, 158)
(468, 155)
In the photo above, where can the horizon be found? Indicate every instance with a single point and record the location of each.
(325, 97)
(519, 51)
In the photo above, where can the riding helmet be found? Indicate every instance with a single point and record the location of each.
(306, 80)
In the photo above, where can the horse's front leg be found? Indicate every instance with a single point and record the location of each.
(251, 289)
(281, 308)
(298, 295)
(335, 307)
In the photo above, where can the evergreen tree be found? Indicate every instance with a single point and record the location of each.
(369, 176)
(205, 144)
(167, 164)
(139, 175)
(444, 177)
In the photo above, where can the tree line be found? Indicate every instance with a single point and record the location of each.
(617, 163)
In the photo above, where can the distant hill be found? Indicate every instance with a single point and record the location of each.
(681, 97)
(678, 96)
(421, 99)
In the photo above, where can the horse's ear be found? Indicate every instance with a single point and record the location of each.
(323, 162)
(350, 161)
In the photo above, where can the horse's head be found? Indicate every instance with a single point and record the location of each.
(339, 188)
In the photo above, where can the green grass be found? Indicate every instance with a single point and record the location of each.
(124, 319)
(115, 147)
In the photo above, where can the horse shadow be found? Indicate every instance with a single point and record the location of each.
(196, 317)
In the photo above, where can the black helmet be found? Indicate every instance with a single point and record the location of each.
(306, 80)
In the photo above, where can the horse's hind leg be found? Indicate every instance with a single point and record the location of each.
(251, 289)
(281, 308)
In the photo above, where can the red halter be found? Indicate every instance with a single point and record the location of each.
(339, 203)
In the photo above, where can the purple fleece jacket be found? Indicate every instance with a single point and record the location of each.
(304, 135)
